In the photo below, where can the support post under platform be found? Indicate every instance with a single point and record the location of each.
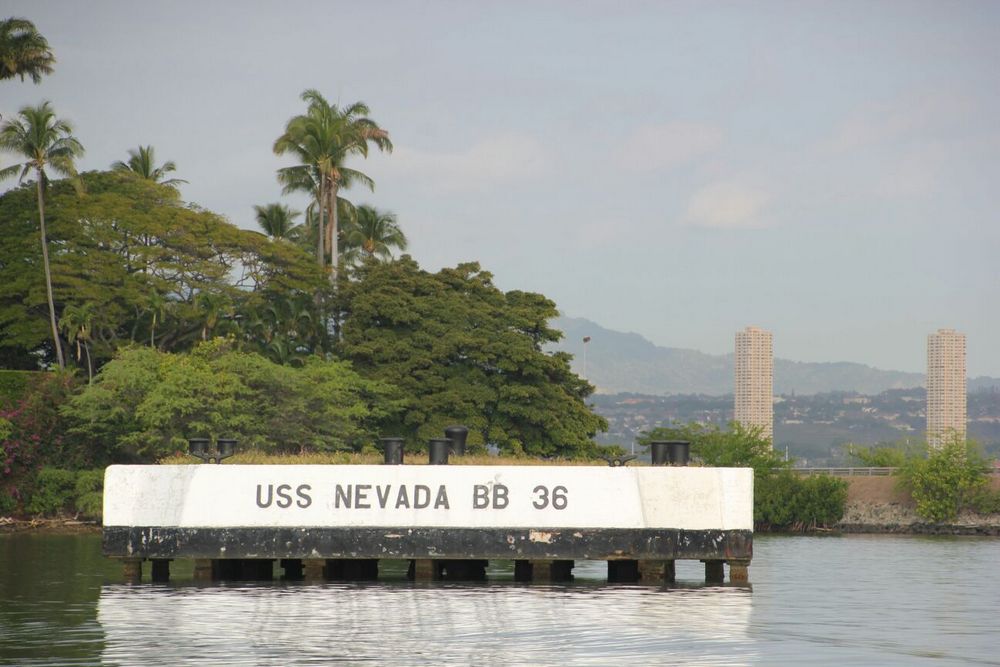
(739, 571)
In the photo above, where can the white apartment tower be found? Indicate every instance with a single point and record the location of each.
(945, 385)
(755, 379)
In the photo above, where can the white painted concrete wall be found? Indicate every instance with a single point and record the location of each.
(195, 496)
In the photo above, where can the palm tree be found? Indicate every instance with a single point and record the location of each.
(45, 141)
(322, 139)
(277, 221)
(141, 162)
(211, 309)
(78, 322)
(373, 233)
(159, 307)
(23, 51)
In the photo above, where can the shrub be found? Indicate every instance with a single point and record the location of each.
(53, 492)
(786, 501)
(985, 501)
(75, 492)
(8, 503)
(33, 434)
(946, 481)
(88, 493)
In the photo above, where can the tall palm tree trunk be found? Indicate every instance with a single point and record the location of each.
(334, 232)
(90, 365)
(48, 275)
(320, 254)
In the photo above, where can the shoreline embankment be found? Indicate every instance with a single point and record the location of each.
(878, 505)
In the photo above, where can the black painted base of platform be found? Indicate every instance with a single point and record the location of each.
(455, 543)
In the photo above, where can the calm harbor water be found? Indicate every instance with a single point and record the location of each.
(852, 600)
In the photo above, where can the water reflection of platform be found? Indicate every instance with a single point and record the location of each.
(425, 625)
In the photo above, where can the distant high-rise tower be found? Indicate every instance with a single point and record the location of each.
(945, 385)
(755, 379)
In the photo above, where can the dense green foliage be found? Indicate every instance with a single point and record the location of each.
(145, 404)
(462, 351)
(782, 499)
(13, 385)
(60, 491)
(947, 480)
(153, 270)
(786, 501)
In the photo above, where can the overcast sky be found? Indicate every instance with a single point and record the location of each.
(829, 171)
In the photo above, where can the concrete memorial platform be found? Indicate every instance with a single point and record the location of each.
(541, 514)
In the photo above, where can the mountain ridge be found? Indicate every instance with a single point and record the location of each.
(622, 362)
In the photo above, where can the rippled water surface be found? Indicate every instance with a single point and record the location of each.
(833, 600)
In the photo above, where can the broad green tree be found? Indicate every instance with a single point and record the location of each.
(463, 351)
(43, 141)
(322, 140)
(156, 270)
(142, 163)
(372, 234)
(24, 52)
(277, 221)
(145, 404)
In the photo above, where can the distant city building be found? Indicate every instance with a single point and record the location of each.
(755, 379)
(946, 388)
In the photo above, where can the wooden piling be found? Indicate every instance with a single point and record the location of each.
(425, 569)
(657, 571)
(204, 569)
(739, 571)
(132, 570)
(545, 570)
(313, 569)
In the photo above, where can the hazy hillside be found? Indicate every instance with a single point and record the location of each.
(627, 362)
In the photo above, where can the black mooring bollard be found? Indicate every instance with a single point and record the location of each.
(457, 435)
(437, 451)
(393, 450)
(680, 452)
(659, 452)
(198, 447)
(226, 447)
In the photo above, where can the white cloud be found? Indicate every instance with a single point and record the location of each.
(485, 165)
(728, 205)
(899, 119)
(668, 145)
